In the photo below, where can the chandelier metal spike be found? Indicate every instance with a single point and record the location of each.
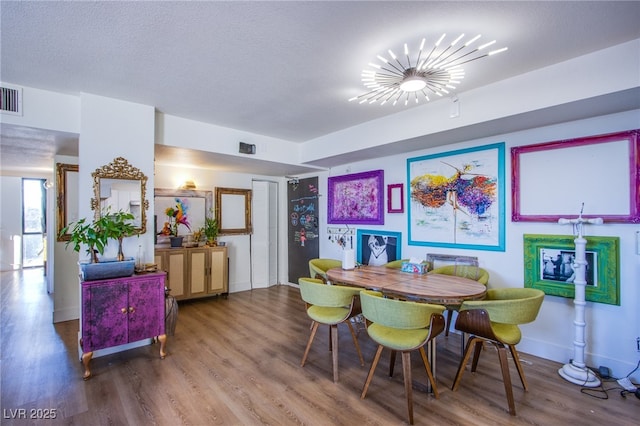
(433, 73)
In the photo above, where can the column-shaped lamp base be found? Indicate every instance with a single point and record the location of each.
(579, 376)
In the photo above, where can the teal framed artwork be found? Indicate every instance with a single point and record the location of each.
(548, 266)
(456, 198)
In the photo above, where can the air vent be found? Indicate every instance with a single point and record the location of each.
(11, 100)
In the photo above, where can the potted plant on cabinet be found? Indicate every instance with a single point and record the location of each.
(96, 235)
(117, 226)
(211, 230)
(83, 232)
(177, 216)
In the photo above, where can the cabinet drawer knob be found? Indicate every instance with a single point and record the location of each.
(131, 309)
(123, 310)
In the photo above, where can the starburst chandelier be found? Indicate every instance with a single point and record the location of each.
(431, 73)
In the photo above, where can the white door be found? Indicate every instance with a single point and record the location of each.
(264, 239)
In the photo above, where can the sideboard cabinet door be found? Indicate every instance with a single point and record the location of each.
(121, 310)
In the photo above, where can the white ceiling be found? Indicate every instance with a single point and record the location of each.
(281, 69)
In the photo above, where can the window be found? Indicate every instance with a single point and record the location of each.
(34, 225)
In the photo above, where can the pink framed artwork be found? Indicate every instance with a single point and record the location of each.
(395, 198)
(552, 180)
(356, 198)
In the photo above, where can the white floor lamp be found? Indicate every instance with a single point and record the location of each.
(576, 371)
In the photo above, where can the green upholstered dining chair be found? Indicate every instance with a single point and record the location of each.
(330, 305)
(395, 264)
(495, 320)
(467, 271)
(401, 326)
(318, 267)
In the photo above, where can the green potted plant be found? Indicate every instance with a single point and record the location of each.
(117, 226)
(87, 233)
(210, 230)
(96, 235)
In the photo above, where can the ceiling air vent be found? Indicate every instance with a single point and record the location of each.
(10, 100)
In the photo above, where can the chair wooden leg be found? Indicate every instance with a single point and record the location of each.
(476, 354)
(355, 342)
(427, 367)
(314, 328)
(502, 354)
(448, 326)
(392, 362)
(463, 362)
(334, 351)
(516, 360)
(408, 384)
(374, 364)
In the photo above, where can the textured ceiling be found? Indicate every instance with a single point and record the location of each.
(281, 69)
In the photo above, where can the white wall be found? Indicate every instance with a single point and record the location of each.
(611, 330)
(66, 297)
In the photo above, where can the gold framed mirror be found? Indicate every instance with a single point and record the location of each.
(233, 211)
(66, 197)
(120, 186)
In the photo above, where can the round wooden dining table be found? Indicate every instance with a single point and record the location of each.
(430, 288)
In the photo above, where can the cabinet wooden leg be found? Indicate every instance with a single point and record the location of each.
(86, 359)
(163, 341)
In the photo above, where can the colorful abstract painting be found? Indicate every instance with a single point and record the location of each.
(356, 198)
(456, 198)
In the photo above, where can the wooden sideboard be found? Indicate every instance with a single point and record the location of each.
(118, 311)
(194, 272)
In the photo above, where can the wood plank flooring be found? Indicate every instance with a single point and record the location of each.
(236, 361)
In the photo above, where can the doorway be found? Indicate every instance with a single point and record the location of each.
(264, 238)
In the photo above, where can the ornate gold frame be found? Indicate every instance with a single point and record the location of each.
(239, 196)
(61, 199)
(120, 168)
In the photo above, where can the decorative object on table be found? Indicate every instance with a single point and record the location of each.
(414, 266)
(548, 266)
(457, 199)
(495, 320)
(541, 168)
(432, 71)
(176, 215)
(356, 198)
(197, 235)
(376, 247)
(576, 371)
(395, 198)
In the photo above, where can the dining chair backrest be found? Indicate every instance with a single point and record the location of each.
(316, 292)
(396, 313)
(319, 267)
(509, 305)
(467, 271)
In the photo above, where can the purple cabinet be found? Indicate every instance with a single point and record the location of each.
(122, 310)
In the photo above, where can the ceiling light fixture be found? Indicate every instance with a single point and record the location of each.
(431, 73)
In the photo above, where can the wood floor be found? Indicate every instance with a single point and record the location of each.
(236, 361)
